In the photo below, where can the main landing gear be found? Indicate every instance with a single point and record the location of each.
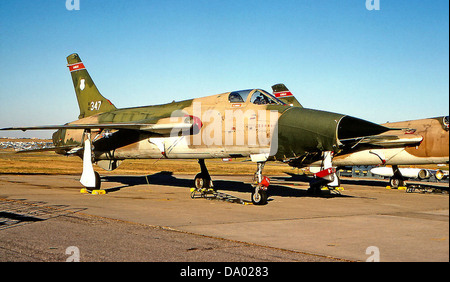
(203, 179)
(204, 184)
(397, 180)
(327, 177)
(89, 178)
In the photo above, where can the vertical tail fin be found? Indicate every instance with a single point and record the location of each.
(282, 92)
(90, 100)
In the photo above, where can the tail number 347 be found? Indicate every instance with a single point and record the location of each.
(95, 105)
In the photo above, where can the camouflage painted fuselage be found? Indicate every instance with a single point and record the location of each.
(247, 123)
(212, 111)
(434, 148)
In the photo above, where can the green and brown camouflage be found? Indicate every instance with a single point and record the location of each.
(435, 132)
(248, 123)
(293, 135)
(298, 131)
(90, 101)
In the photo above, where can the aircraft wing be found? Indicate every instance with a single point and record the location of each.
(60, 148)
(154, 128)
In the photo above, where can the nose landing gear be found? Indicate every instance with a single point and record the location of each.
(260, 184)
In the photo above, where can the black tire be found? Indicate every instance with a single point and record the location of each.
(259, 198)
(198, 181)
(395, 182)
(201, 182)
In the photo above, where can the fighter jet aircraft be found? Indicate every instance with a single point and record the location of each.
(247, 123)
(428, 143)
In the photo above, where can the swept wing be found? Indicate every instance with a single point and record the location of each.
(162, 129)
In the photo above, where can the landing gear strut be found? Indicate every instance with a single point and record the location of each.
(203, 179)
(260, 184)
(89, 178)
(326, 177)
(397, 180)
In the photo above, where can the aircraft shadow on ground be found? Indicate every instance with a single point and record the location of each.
(166, 178)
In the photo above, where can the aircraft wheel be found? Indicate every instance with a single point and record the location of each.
(259, 197)
(395, 182)
(201, 182)
(198, 181)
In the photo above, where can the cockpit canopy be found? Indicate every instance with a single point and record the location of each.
(257, 97)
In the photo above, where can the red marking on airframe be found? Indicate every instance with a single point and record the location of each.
(283, 94)
(76, 67)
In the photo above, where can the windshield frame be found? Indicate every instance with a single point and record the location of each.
(242, 93)
(270, 96)
(247, 94)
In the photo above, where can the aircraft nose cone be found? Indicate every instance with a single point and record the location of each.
(302, 131)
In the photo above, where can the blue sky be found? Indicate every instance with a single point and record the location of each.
(386, 65)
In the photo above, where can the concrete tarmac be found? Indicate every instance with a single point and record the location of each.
(153, 218)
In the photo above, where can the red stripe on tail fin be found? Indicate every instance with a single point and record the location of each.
(76, 67)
